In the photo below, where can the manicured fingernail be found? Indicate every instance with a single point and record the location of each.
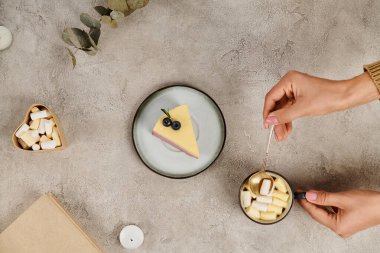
(312, 196)
(272, 120)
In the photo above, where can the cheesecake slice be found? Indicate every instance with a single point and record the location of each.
(184, 138)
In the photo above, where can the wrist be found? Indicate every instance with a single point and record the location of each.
(360, 90)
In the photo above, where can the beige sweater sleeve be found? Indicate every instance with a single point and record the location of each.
(373, 70)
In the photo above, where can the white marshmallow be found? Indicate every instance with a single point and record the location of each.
(253, 213)
(49, 144)
(21, 130)
(279, 202)
(280, 195)
(264, 199)
(56, 137)
(44, 138)
(34, 134)
(268, 216)
(39, 114)
(259, 206)
(280, 185)
(28, 139)
(41, 127)
(275, 209)
(52, 122)
(265, 187)
(36, 147)
(35, 109)
(34, 124)
(23, 144)
(48, 128)
(246, 198)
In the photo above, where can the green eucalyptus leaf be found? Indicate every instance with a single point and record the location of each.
(117, 15)
(113, 24)
(128, 12)
(106, 19)
(66, 37)
(79, 38)
(136, 4)
(89, 21)
(103, 11)
(73, 59)
(94, 35)
(118, 5)
(89, 51)
(94, 45)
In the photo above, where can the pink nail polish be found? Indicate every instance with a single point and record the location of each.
(272, 120)
(311, 195)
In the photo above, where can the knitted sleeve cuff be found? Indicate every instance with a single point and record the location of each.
(373, 70)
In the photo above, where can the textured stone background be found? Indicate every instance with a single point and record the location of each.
(233, 50)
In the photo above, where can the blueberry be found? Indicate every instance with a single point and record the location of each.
(167, 122)
(176, 125)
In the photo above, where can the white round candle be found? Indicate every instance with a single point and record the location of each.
(5, 38)
(131, 237)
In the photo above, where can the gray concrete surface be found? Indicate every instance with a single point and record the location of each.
(233, 50)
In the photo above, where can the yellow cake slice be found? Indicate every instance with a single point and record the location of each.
(183, 138)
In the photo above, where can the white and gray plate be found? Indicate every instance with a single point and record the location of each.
(208, 124)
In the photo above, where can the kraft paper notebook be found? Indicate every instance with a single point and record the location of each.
(46, 227)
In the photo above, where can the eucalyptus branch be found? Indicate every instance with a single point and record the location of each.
(88, 41)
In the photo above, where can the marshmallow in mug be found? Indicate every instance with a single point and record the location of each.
(246, 198)
(266, 207)
(265, 187)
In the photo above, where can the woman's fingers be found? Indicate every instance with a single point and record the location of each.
(287, 113)
(289, 127)
(272, 98)
(323, 198)
(354, 210)
(281, 109)
(281, 132)
(319, 214)
(314, 202)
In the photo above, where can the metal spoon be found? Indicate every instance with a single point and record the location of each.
(256, 180)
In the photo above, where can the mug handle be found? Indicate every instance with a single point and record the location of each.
(299, 195)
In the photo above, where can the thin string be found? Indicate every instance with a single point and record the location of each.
(267, 150)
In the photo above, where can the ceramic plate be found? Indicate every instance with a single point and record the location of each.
(208, 124)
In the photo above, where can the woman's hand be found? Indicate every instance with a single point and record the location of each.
(355, 210)
(297, 95)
